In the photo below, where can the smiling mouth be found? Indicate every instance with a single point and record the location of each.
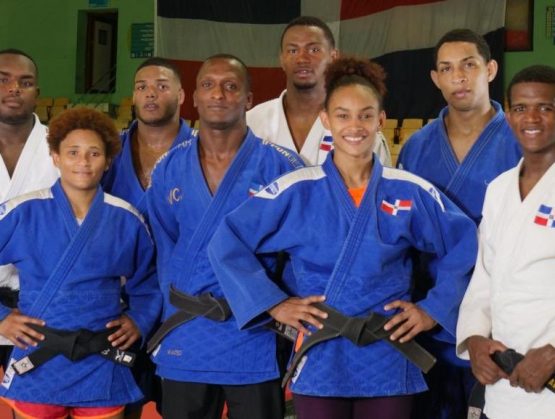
(354, 139)
(530, 131)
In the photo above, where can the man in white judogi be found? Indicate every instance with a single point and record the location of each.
(25, 163)
(292, 120)
(509, 302)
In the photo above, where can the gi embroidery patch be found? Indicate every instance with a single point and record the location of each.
(174, 196)
(272, 188)
(545, 216)
(254, 189)
(8, 376)
(326, 143)
(398, 205)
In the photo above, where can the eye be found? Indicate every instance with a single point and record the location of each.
(230, 86)
(546, 108)
(469, 64)
(342, 115)
(27, 84)
(315, 50)
(4, 80)
(365, 116)
(163, 87)
(205, 84)
(72, 152)
(140, 87)
(444, 69)
(292, 50)
(517, 108)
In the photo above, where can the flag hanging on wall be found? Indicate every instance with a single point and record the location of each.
(399, 34)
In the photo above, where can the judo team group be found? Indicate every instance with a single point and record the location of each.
(277, 246)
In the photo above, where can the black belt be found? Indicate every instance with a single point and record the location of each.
(190, 307)
(362, 331)
(74, 345)
(507, 361)
(9, 297)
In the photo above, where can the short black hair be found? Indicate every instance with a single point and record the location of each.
(16, 51)
(160, 62)
(464, 35)
(242, 64)
(309, 21)
(532, 74)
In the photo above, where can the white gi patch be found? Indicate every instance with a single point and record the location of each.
(8, 376)
(299, 369)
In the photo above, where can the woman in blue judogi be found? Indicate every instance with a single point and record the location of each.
(349, 227)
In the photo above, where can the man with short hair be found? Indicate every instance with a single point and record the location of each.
(509, 302)
(201, 355)
(25, 163)
(461, 152)
(292, 120)
(157, 97)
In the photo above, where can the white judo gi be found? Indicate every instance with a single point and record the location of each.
(267, 120)
(512, 294)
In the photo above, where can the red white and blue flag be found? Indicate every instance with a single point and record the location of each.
(327, 143)
(399, 34)
(545, 216)
(396, 206)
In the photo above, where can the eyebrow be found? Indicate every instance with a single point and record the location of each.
(340, 108)
(157, 80)
(470, 57)
(24, 76)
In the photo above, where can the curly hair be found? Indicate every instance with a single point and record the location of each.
(351, 70)
(84, 118)
(532, 74)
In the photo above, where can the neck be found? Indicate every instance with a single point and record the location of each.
(355, 171)
(221, 142)
(80, 200)
(309, 101)
(157, 136)
(471, 120)
(14, 134)
(536, 164)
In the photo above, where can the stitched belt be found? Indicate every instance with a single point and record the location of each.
(9, 297)
(190, 307)
(362, 331)
(74, 345)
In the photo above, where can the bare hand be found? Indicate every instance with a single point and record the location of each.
(412, 320)
(484, 368)
(535, 369)
(15, 327)
(295, 311)
(126, 335)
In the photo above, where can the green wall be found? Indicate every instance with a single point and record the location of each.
(47, 30)
(544, 49)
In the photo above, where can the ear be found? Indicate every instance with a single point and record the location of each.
(55, 158)
(434, 77)
(334, 54)
(249, 100)
(492, 68)
(181, 96)
(381, 119)
(325, 119)
(108, 164)
(195, 99)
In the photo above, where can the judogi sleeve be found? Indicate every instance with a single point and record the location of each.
(259, 225)
(475, 311)
(141, 287)
(449, 237)
(11, 243)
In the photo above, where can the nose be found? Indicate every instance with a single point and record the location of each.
(217, 92)
(459, 75)
(303, 55)
(14, 87)
(532, 113)
(151, 92)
